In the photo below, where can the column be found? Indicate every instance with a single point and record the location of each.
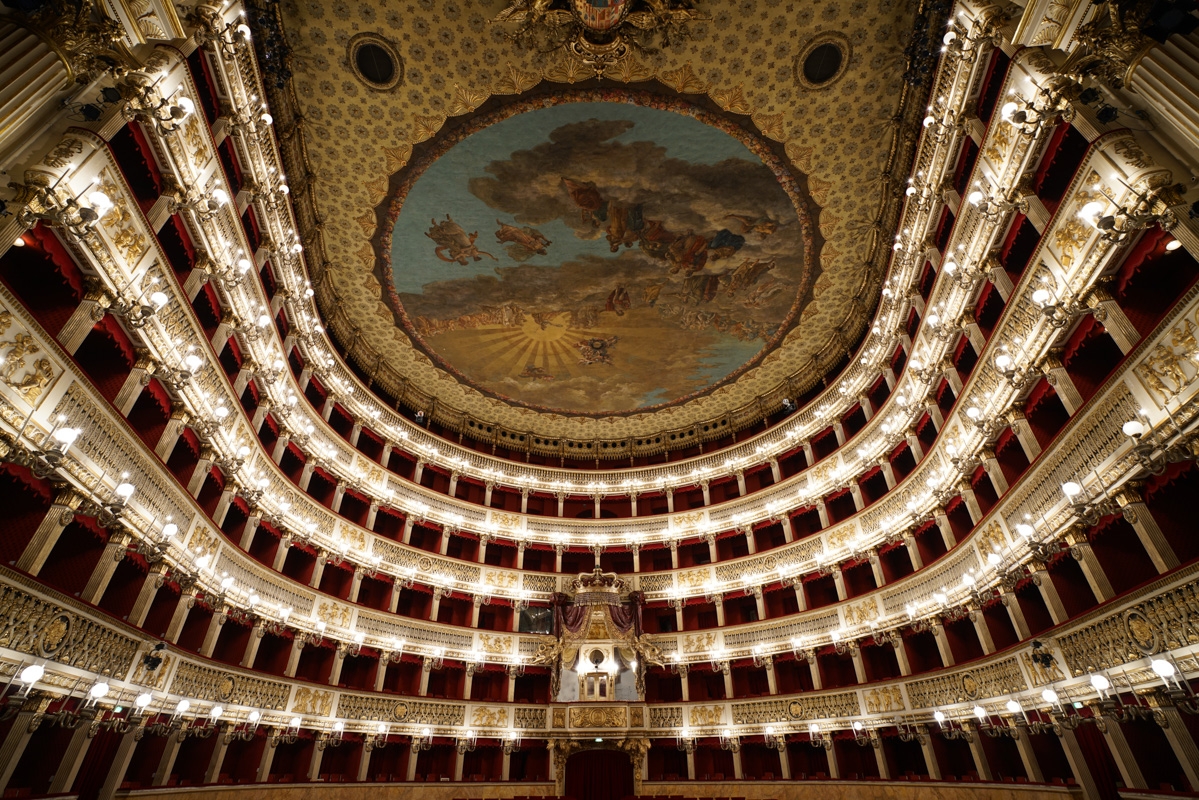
(994, 471)
(458, 765)
(703, 485)
(91, 309)
(411, 771)
(1060, 380)
(314, 766)
(839, 583)
(859, 668)
(17, 740)
(1113, 734)
(280, 446)
(1078, 765)
(740, 475)
(328, 406)
(1053, 601)
(855, 491)
(435, 606)
(135, 381)
(145, 597)
(260, 414)
(212, 634)
(356, 584)
(834, 768)
(1137, 514)
(1024, 435)
(224, 330)
(170, 434)
(113, 555)
(909, 542)
(1181, 742)
(839, 432)
(339, 660)
(690, 766)
(72, 758)
(1108, 312)
(980, 757)
(880, 758)
(738, 769)
(966, 490)
(1028, 757)
(306, 474)
(1165, 77)
(876, 569)
(293, 658)
(248, 531)
(946, 530)
(120, 763)
(930, 755)
(942, 644)
(318, 570)
(60, 515)
(888, 471)
(264, 765)
(808, 453)
(982, 631)
(867, 407)
(674, 556)
(166, 762)
(669, 502)
(720, 612)
(914, 445)
(281, 555)
(822, 512)
(1082, 552)
(814, 668)
(772, 681)
(218, 756)
(182, 607)
(453, 483)
(200, 473)
(901, 657)
(381, 671)
(1016, 614)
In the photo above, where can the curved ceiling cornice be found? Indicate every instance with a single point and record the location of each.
(850, 140)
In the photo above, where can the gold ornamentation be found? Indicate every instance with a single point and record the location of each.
(500, 580)
(637, 717)
(705, 716)
(559, 717)
(333, 614)
(63, 152)
(399, 712)
(883, 700)
(490, 718)
(1042, 674)
(497, 645)
(862, 613)
(201, 682)
(603, 717)
(694, 578)
(844, 704)
(698, 642)
(312, 701)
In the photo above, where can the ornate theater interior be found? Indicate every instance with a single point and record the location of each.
(851, 460)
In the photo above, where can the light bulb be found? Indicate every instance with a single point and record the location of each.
(1092, 210)
(1007, 110)
(295, 722)
(939, 716)
(1049, 696)
(1100, 683)
(1003, 361)
(1133, 429)
(185, 105)
(169, 530)
(125, 490)
(255, 716)
(1025, 530)
(1041, 297)
(143, 700)
(975, 197)
(182, 706)
(1013, 707)
(1162, 668)
(220, 196)
(98, 690)
(1071, 489)
(980, 712)
(159, 299)
(216, 712)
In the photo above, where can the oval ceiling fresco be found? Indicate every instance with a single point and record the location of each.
(598, 253)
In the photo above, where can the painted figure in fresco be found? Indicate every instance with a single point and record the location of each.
(655, 239)
(651, 294)
(725, 244)
(624, 225)
(760, 225)
(596, 350)
(530, 239)
(746, 274)
(762, 293)
(619, 301)
(536, 373)
(449, 236)
(592, 206)
(688, 254)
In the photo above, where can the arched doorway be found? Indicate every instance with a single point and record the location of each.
(599, 775)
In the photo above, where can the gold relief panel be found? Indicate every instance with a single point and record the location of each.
(333, 614)
(214, 685)
(602, 717)
(694, 578)
(862, 613)
(28, 379)
(698, 642)
(1163, 371)
(1043, 669)
(442, 714)
(312, 701)
(41, 629)
(884, 699)
(559, 717)
(500, 580)
(497, 645)
(705, 716)
(489, 718)
(760, 713)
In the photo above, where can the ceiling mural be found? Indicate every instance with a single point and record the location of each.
(794, 309)
(598, 252)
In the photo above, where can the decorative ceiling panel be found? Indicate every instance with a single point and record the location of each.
(580, 341)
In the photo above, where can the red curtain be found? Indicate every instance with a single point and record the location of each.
(599, 775)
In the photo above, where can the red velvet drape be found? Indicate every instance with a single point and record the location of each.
(599, 775)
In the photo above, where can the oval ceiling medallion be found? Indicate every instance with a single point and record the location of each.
(598, 253)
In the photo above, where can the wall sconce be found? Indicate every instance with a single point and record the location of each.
(422, 740)
(685, 741)
(729, 740)
(951, 729)
(818, 737)
(511, 742)
(468, 742)
(774, 739)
